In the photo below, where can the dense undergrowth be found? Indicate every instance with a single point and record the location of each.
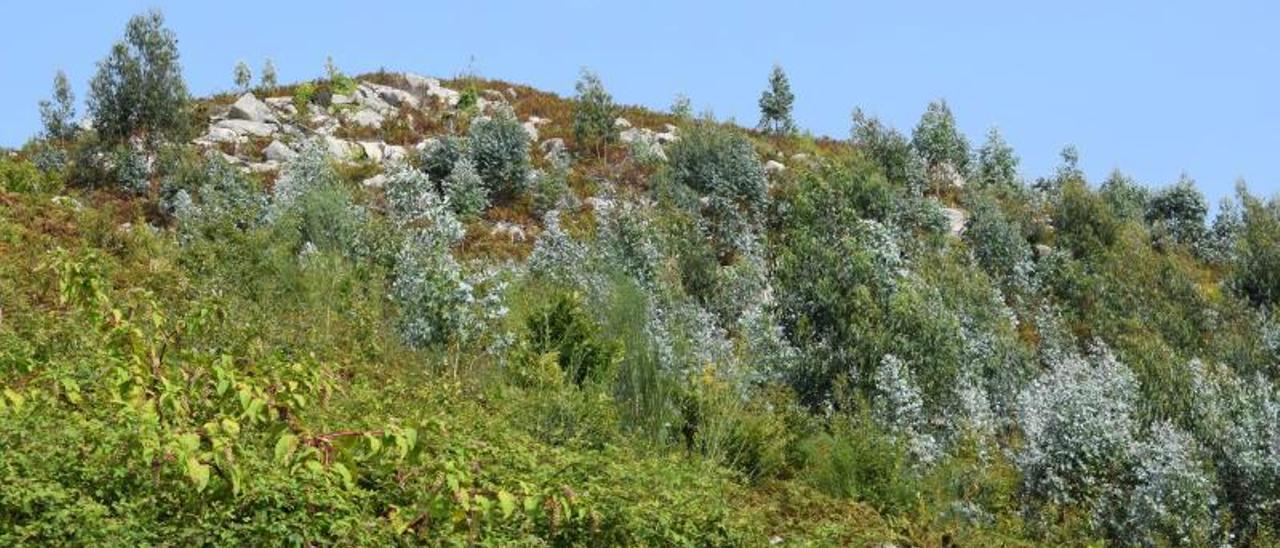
(734, 338)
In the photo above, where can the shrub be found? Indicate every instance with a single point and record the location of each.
(900, 408)
(1077, 420)
(859, 460)
(582, 351)
(410, 195)
(440, 155)
(499, 148)
(556, 256)
(890, 150)
(22, 176)
(1180, 212)
(131, 171)
(429, 289)
(551, 191)
(465, 190)
(302, 96)
(219, 198)
(593, 114)
(314, 210)
(997, 244)
(722, 166)
(139, 87)
(1173, 502)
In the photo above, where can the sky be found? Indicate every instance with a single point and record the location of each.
(1154, 88)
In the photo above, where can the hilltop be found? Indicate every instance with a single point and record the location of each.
(395, 309)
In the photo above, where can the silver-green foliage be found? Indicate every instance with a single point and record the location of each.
(499, 148)
(938, 141)
(1173, 501)
(593, 114)
(775, 104)
(465, 189)
(1078, 422)
(997, 163)
(267, 79)
(58, 113)
(722, 166)
(243, 76)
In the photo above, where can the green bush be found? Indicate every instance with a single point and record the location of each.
(499, 148)
(858, 460)
(563, 328)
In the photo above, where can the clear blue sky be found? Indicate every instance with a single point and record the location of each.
(1152, 87)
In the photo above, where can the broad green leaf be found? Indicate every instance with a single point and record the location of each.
(197, 472)
(507, 502)
(285, 447)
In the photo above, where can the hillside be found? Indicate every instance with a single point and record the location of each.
(395, 309)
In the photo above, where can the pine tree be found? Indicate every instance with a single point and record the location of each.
(58, 113)
(243, 76)
(775, 104)
(139, 86)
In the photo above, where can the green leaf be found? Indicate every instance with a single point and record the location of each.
(507, 502)
(71, 390)
(15, 398)
(345, 474)
(189, 443)
(285, 447)
(197, 472)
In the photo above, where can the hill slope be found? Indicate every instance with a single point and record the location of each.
(391, 309)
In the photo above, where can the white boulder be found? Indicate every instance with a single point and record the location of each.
(246, 127)
(278, 152)
(248, 107)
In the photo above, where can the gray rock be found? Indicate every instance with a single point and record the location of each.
(247, 127)
(392, 96)
(263, 167)
(372, 150)
(774, 166)
(283, 105)
(366, 118)
(248, 107)
(394, 153)
(1042, 251)
(430, 87)
(531, 129)
(338, 148)
(368, 97)
(278, 152)
(221, 135)
(338, 99)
